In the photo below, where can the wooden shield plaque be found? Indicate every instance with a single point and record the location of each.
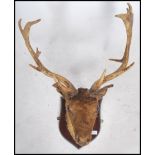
(63, 125)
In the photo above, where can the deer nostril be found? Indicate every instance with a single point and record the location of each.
(83, 140)
(89, 139)
(77, 138)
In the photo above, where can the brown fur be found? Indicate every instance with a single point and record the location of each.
(81, 115)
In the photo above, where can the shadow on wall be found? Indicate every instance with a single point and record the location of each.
(70, 34)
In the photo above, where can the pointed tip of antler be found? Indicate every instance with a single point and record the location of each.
(130, 7)
(34, 67)
(19, 21)
(20, 26)
(37, 54)
(101, 79)
(117, 60)
(109, 86)
(38, 20)
(130, 65)
(34, 22)
(99, 82)
(122, 15)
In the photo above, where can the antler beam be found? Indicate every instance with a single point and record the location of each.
(127, 18)
(63, 85)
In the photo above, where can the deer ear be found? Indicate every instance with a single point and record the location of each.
(65, 91)
(101, 92)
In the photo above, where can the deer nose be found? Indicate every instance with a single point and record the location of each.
(83, 140)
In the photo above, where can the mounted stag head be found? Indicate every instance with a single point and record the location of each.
(82, 104)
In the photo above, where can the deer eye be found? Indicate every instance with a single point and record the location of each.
(68, 109)
(96, 110)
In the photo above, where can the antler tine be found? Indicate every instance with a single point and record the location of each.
(61, 81)
(127, 18)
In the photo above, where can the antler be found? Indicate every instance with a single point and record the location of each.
(64, 86)
(128, 21)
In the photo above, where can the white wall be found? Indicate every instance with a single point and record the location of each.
(76, 40)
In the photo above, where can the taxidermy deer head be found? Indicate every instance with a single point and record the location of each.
(82, 104)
